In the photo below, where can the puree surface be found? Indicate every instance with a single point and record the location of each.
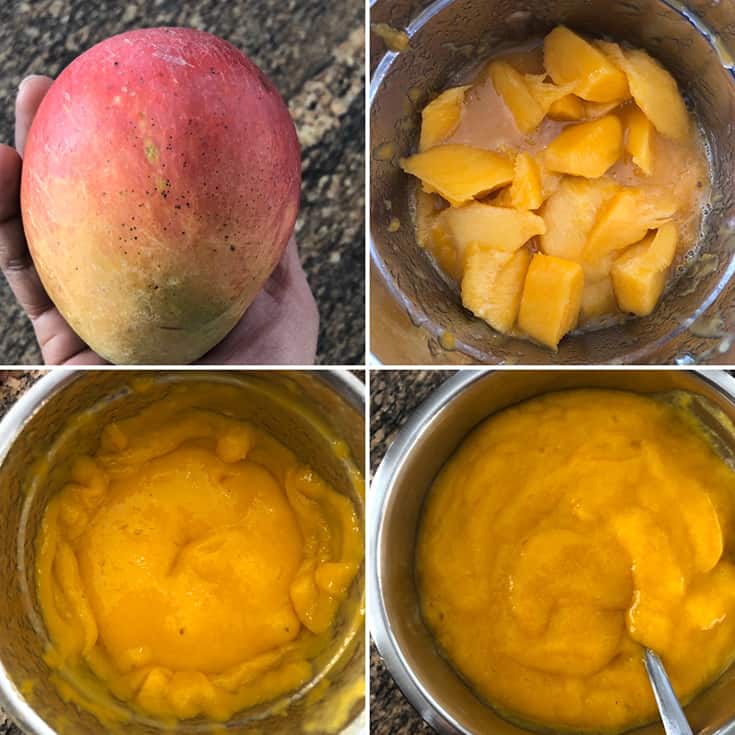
(192, 563)
(564, 535)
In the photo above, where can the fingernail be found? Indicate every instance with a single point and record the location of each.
(27, 79)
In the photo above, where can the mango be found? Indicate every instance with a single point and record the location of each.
(655, 91)
(440, 117)
(639, 134)
(442, 247)
(570, 213)
(598, 300)
(570, 59)
(545, 93)
(426, 214)
(526, 191)
(489, 226)
(593, 110)
(155, 219)
(587, 149)
(511, 86)
(623, 220)
(569, 107)
(458, 172)
(492, 284)
(639, 274)
(551, 299)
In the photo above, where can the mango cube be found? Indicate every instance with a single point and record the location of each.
(587, 149)
(492, 284)
(426, 213)
(544, 93)
(570, 213)
(526, 191)
(459, 172)
(551, 299)
(639, 139)
(442, 247)
(489, 226)
(511, 86)
(639, 274)
(598, 300)
(570, 59)
(440, 117)
(623, 220)
(568, 107)
(655, 91)
(593, 110)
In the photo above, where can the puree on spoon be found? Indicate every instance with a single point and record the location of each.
(566, 534)
(192, 564)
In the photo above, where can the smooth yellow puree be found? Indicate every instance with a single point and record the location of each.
(193, 564)
(566, 534)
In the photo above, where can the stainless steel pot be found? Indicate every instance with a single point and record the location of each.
(397, 495)
(413, 307)
(40, 427)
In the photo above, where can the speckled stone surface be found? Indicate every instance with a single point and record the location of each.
(313, 51)
(394, 394)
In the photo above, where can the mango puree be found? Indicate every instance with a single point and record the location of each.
(566, 534)
(192, 564)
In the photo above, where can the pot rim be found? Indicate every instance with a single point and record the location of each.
(418, 315)
(13, 702)
(382, 489)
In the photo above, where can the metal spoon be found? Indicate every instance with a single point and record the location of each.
(672, 715)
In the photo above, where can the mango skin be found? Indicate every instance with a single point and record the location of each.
(160, 186)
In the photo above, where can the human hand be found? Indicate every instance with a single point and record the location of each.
(280, 327)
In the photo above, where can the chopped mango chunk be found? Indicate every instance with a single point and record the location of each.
(526, 191)
(587, 149)
(639, 139)
(594, 110)
(426, 213)
(493, 283)
(443, 249)
(598, 299)
(639, 274)
(570, 213)
(657, 94)
(545, 93)
(489, 226)
(570, 59)
(551, 299)
(623, 220)
(459, 172)
(440, 117)
(569, 107)
(511, 86)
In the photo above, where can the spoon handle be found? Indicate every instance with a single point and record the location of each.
(672, 715)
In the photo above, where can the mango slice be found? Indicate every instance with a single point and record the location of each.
(426, 214)
(526, 191)
(570, 213)
(623, 220)
(440, 117)
(587, 149)
(570, 59)
(639, 134)
(552, 296)
(594, 110)
(598, 300)
(489, 226)
(657, 94)
(459, 172)
(511, 86)
(639, 274)
(545, 93)
(441, 245)
(569, 107)
(492, 284)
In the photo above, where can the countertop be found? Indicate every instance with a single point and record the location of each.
(394, 395)
(313, 54)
